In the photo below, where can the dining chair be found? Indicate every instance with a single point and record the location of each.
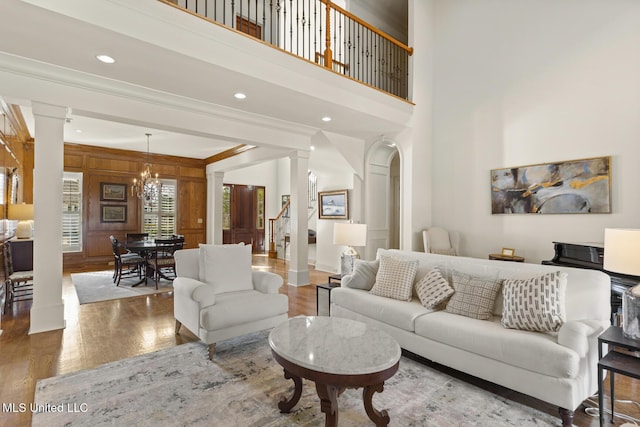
(126, 264)
(133, 237)
(161, 263)
(18, 284)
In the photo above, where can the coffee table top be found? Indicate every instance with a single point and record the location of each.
(334, 345)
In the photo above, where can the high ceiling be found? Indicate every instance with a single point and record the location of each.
(68, 44)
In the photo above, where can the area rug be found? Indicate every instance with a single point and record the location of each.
(98, 286)
(242, 386)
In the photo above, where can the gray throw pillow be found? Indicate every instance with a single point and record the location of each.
(363, 275)
(474, 297)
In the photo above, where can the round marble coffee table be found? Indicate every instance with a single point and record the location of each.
(336, 354)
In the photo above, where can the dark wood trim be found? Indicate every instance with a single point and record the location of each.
(231, 152)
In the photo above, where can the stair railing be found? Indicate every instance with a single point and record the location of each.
(318, 31)
(278, 230)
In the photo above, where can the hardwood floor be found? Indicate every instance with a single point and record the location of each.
(112, 330)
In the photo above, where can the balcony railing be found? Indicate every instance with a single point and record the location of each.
(318, 31)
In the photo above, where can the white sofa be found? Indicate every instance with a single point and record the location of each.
(558, 368)
(218, 296)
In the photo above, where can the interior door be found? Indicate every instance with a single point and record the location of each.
(244, 216)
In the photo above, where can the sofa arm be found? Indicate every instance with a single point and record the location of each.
(195, 290)
(266, 282)
(575, 334)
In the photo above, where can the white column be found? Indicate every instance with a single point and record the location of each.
(299, 263)
(218, 194)
(47, 310)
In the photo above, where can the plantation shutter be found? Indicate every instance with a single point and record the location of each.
(159, 216)
(72, 212)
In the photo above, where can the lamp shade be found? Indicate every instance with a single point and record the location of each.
(21, 212)
(622, 250)
(349, 234)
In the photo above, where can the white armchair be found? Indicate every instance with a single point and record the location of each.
(217, 296)
(437, 240)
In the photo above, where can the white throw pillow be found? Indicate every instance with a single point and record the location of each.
(433, 289)
(227, 267)
(474, 296)
(363, 275)
(395, 278)
(535, 304)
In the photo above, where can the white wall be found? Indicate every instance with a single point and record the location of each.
(328, 254)
(519, 83)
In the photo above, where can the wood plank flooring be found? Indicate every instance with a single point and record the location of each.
(112, 330)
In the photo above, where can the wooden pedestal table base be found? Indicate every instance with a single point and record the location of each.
(330, 386)
(331, 374)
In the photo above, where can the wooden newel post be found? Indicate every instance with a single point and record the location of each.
(328, 55)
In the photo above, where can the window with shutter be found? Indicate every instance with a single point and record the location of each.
(159, 214)
(72, 212)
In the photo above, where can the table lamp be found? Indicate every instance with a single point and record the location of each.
(24, 214)
(349, 235)
(622, 255)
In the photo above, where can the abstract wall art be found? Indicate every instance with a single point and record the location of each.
(574, 186)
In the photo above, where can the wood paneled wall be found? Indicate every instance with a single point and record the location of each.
(100, 165)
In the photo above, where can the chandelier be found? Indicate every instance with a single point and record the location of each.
(149, 186)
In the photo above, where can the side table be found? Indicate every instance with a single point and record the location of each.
(335, 277)
(500, 257)
(323, 298)
(616, 363)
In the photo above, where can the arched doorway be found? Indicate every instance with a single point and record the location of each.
(382, 196)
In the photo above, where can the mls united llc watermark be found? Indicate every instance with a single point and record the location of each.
(44, 407)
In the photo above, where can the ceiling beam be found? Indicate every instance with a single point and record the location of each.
(231, 152)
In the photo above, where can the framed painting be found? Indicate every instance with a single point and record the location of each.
(573, 186)
(113, 192)
(113, 213)
(333, 204)
(508, 252)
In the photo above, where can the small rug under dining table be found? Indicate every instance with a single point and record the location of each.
(98, 286)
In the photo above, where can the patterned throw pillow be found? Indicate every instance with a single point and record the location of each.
(474, 297)
(535, 304)
(433, 289)
(395, 278)
(363, 275)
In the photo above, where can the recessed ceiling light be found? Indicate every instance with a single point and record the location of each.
(105, 58)
(239, 95)
(78, 130)
(326, 119)
(312, 148)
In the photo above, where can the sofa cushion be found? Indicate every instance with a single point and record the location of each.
(535, 304)
(433, 289)
(363, 275)
(534, 351)
(236, 308)
(400, 314)
(395, 278)
(474, 297)
(227, 267)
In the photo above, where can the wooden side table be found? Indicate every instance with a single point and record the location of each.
(616, 363)
(500, 257)
(323, 298)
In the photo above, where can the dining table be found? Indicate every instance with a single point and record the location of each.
(144, 248)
